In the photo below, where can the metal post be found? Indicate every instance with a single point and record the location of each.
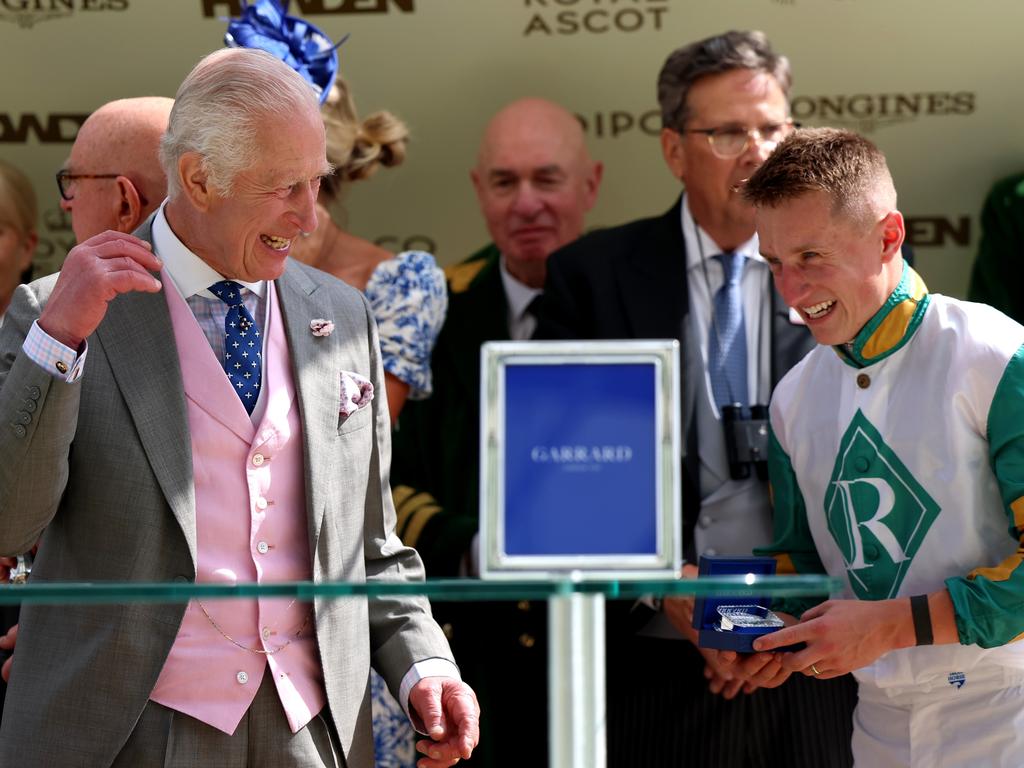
(576, 681)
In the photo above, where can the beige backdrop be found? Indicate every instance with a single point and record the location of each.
(931, 82)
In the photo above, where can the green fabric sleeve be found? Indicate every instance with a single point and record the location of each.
(989, 602)
(792, 545)
(999, 269)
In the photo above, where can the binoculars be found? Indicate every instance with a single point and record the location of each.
(746, 440)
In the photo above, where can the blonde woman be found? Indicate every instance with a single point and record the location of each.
(18, 235)
(407, 292)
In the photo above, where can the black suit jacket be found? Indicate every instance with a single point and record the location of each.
(629, 282)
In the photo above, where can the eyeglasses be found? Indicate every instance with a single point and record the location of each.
(66, 180)
(727, 143)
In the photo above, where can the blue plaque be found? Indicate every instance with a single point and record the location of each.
(580, 458)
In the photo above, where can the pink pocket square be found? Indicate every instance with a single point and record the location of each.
(356, 392)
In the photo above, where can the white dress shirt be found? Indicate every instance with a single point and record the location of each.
(735, 515)
(521, 324)
(755, 286)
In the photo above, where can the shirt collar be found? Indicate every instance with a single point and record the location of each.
(892, 325)
(518, 294)
(190, 274)
(699, 242)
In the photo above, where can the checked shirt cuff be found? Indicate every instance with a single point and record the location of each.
(61, 362)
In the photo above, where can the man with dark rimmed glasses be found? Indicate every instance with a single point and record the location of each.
(123, 135)
(113, 179)
(695, 274)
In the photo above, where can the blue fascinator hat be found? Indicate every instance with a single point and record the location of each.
(265, 25)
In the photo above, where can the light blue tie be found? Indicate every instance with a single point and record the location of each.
(727, 337)
(243, 347)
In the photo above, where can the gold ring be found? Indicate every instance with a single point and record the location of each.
(814, 669)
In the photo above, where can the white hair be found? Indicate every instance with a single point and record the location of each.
(220, 107)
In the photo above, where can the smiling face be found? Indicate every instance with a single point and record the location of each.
(247, 235)
(535, 182)
(737, 99)
(835, 271)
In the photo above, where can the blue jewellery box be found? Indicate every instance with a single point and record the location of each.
(733, 623)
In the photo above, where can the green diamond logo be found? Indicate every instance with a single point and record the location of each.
(877, 512)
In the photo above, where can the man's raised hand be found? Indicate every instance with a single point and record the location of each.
(94, 273)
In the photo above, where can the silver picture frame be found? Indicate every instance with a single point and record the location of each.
(656, 361)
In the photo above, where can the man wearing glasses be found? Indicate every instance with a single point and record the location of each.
(695, 274)
(113, 179)
(123, 135)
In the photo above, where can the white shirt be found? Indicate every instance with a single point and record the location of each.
(190, 274)
(755, 285)
(518, 295)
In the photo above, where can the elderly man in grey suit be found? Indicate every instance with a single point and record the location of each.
(190, 404)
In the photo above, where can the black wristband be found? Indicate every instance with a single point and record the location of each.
(922, 619)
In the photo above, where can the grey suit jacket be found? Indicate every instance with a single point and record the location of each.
(104, 467)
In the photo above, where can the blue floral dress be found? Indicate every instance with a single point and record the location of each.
(409, 299)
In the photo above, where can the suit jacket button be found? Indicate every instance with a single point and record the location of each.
(28, 405)
(527, 640)
(19, 431)
(32, 392)
(22, 418)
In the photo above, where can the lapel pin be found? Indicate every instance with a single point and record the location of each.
(321, 327)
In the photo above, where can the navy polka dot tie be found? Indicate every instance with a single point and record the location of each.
(727, 340)
(243, 355)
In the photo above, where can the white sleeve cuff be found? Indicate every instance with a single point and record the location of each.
(418, 671)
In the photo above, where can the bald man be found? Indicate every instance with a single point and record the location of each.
(535, 182)
(113, 179)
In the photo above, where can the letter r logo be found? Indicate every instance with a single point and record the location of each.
(877, 512)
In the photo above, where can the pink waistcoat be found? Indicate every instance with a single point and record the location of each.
(250, 526)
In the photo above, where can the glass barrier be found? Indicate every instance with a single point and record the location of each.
(437, 589)
(576, 622)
